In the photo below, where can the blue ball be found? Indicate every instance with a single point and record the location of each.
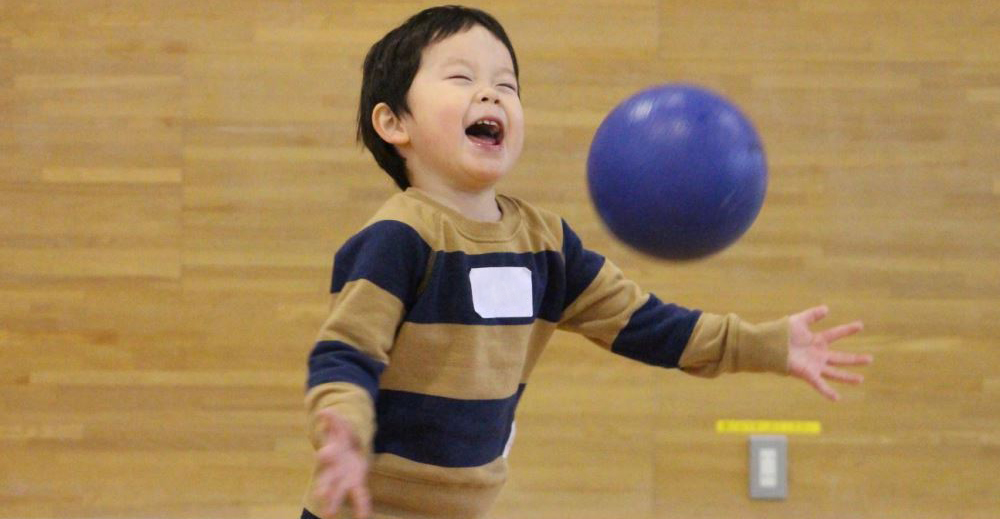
(677, 171)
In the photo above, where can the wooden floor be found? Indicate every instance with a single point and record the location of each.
(175, 176)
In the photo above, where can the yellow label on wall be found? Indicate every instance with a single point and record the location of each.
(768, 427)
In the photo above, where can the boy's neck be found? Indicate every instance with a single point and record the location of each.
(480, 206)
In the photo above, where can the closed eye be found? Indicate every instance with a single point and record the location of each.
(463, 78)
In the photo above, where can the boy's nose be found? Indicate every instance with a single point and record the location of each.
(489, 97)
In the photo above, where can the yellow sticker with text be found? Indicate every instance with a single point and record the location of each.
(768, 427)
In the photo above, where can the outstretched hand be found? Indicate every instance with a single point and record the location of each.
(343, 468)
(811, 359)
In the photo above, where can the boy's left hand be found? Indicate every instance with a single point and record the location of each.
(810, 358)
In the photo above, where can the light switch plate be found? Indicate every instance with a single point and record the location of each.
(768, 467)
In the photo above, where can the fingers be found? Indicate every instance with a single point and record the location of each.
(818, 381)
(842, 358)
(839, 332)
(340, 482)
(823, 387)
(343, 469)
(362, 502)
(814, 314)
(842, 376)
(328, 491)
(336, 494)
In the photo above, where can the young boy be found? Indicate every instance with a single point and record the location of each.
(443, 302)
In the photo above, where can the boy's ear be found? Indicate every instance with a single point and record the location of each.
(388, 125)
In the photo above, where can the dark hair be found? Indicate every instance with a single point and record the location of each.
(392, 63)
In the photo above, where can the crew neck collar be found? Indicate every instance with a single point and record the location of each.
(504, 229)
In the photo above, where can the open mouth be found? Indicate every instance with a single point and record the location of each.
(486, 131)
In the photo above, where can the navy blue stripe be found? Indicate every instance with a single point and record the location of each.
(582, 265)
(445, 432)
(335, 361)
(447, 297)
(656, 333)
(388, 253)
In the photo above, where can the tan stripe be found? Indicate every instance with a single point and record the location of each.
(726, 343)
(404, 489)
(364, 316)
(463, 361)
(605, 307)
(489, 475)
(540, 231)
(350, 401)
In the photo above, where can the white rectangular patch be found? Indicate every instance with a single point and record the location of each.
(502, 292)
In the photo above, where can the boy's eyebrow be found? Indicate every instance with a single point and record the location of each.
(462, 61)
(458, 61)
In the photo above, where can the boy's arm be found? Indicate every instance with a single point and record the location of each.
(726, 343)
(611, 310)
(787, 346)
(375, 279)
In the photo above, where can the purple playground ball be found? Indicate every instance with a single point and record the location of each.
(677, 171)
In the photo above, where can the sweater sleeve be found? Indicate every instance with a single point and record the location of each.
(376, 275)
(612, 311)
(726, 343)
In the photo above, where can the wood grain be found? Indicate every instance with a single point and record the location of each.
(176, 175)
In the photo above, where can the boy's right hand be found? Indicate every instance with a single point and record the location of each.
(343, 468)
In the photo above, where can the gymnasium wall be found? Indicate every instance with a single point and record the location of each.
(175, 177)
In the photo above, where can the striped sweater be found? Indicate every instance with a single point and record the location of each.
(436, 322)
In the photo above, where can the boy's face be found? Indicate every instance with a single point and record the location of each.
(465, 124)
